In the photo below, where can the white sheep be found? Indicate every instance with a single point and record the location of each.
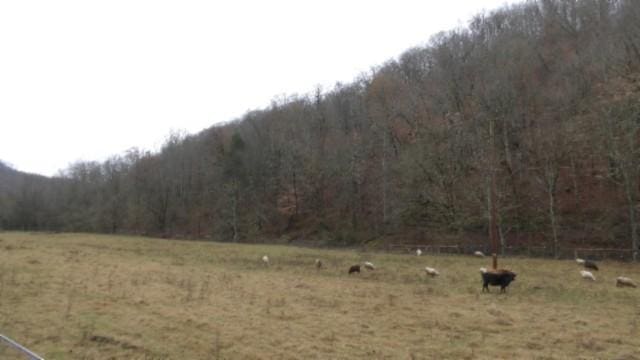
(587, 275)
(418, 252)
(622, 281)
(318, 264)
(483, 270)
(580, 261)
(478, 254)
(369, 265)
(431, 271)
(265, 260)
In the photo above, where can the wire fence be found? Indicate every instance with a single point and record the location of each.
(518, 251)
(13, 350)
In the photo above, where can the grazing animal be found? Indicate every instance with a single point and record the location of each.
(483, 270)
(478, 254)
(369, 266)
(318, 264)
(431, 271)
(265, 260)
(587, 275)
(354, 269)
(580, 261)
(418, 252)
(622, 281)
(500, 278)
(590, 265)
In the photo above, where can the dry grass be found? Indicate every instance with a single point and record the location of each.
(79, 296)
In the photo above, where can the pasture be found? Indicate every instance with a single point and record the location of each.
(83, 296)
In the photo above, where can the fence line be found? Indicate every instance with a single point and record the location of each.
(526, 251)
(30, 354)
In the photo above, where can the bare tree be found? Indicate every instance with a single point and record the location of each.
(621, 123)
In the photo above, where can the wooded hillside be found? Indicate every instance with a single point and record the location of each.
(403, 153)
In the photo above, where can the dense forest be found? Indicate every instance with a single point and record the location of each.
(544, 94)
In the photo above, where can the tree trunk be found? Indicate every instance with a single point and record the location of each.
(295, 193)
(384, 183)
(551, 180)
(633, 224)
(554, 225)
(234, 211)
(574, 178)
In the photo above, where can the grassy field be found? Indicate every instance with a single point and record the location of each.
(77, 296)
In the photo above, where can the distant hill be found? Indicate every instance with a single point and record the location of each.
(543, 94)
(23, 199)
(9, 178)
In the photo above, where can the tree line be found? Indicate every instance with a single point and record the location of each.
(545, 94)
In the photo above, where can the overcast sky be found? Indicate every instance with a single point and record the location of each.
(84, 80)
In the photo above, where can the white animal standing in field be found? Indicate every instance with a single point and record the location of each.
(369, 266)
(431, 271)
(265, 260)
(483, 270)
(580, 261)
(622, 281)
(318, 264)
(418, 252)
(478, 254)
(587, 275)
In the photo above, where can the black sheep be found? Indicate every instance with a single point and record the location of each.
(354, 269)
(590, 265)
(500, 278)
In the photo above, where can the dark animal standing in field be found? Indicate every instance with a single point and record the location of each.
(354, 269)
(590, 265)
(500, 278)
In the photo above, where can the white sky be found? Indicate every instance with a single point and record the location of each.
(84, 80)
